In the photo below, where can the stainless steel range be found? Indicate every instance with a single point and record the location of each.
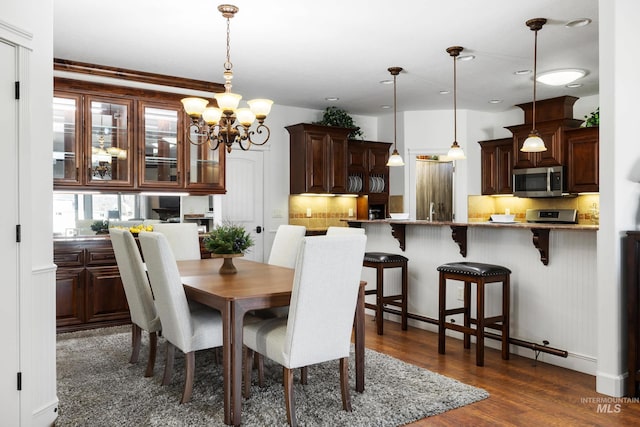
(554, 216)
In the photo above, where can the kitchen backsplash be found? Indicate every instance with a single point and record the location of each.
(320, 212)
(480, 208)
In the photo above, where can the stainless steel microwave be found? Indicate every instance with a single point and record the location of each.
(538, 182)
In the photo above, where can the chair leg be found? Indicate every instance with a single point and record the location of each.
(344, 384)
(168, 364)
(248, 364)
(153, 345)
(258, 361)
(304, 375)
(190, 368)
(288, 396)
(136, 337)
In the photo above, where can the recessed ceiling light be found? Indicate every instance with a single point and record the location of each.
(385, 107)
(444, 92)
(386, 82)
(332, 98)
(560, 77)
(466, 58)
(522, 72)
(495, 101)
(581, 22)
(574, 85)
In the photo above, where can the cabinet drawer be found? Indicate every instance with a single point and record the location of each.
(68, 258)
(100, 256)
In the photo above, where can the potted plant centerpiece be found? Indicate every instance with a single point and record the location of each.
(228, 241)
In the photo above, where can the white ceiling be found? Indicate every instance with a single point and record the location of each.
(300, 52)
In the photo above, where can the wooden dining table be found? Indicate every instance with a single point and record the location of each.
(255, 286)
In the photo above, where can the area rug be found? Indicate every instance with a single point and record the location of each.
(98, 387)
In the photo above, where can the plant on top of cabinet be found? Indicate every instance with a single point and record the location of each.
(593, 119)
(334, 116)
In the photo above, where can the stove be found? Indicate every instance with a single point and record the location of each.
(553, 216)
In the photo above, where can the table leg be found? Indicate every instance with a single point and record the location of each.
(359, 338)
(226, 361)
(237, 319)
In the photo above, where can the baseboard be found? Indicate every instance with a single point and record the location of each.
(611, 385)
(46, 415)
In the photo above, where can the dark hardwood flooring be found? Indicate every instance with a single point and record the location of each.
(522, 393)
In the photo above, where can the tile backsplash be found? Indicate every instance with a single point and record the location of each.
(321, 212)
(480, 208)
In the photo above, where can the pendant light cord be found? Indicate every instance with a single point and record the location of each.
(395, 136)
(535, 70)
(455, 116)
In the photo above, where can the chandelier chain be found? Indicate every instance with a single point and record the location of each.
(228, 65)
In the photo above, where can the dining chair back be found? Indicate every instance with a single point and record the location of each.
(188, 328)
(336, 231)
(321, 313)
(138, 293)
(284, 249)
(183, 239)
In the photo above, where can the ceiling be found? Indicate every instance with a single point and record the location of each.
(300, 52)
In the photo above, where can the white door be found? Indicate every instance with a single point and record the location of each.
(244, 202)
(10, 366)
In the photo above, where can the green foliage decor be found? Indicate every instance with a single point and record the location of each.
(593, 119)
(100, 226)
(228, 238)
(334, 116)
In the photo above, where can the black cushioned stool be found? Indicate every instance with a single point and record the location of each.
(480, 274)
(380, 261)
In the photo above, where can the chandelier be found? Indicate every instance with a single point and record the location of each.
(534, 142)
(227, 124)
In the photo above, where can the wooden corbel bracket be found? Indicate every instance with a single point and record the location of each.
(459, 235)
(541, 242)
(398, 231)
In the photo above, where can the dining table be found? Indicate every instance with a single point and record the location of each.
(255, 286)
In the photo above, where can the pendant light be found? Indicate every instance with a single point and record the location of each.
(534, 143)
(395, 159)
(455, 152)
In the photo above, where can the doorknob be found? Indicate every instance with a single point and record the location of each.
(258, 229)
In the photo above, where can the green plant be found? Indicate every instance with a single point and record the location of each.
(593, 119)
(100, 226)
(228, 238)
(334, 116)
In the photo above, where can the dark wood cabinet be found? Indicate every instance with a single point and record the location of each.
(582, 165)
(89, 291)
(552, 133)
(631, 271)
(112, 138)
(318, 159)
(368, 176)
(497, 166)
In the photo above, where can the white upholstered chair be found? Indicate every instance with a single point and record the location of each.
(284, 249)
(188, 329)
(138, 293)
(183, 239)
(336, 231)
(320, 321)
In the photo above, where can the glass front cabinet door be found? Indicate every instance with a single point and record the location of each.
(160, 161)
(109, 141)
(67, 138)
(204, 166)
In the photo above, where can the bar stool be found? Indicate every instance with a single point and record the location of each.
(480, 274)
(381, 261)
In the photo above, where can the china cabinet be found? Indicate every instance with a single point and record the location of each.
(368, 175)
(318, 158)
(117, 138)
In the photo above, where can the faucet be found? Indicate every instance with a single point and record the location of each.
(431, 212)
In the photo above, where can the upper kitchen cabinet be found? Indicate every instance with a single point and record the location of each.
(126, 139)
(318, 158)
(583, 170)
(497, 166)
(553, 117)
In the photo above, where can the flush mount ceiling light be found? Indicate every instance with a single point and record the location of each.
(395, 159)
(581, 22)
(216, 125)
(534, 143)
(455, 152)
(560, 77)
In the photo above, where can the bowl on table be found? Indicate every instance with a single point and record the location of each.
(502, 218)
(398, 215)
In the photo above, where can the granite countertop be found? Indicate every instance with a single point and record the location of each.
(522, 225)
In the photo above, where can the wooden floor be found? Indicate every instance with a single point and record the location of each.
(522, 393)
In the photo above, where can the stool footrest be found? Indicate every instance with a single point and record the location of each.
(488, 321)
(454, 311)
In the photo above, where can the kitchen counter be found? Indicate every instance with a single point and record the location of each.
(540, 231)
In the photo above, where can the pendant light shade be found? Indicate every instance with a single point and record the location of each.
(534, 143)
(455, 152)
(395, 159)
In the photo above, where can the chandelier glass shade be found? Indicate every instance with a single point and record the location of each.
(534, 143)
(227, 123)
(395, 159)
(455, 152)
